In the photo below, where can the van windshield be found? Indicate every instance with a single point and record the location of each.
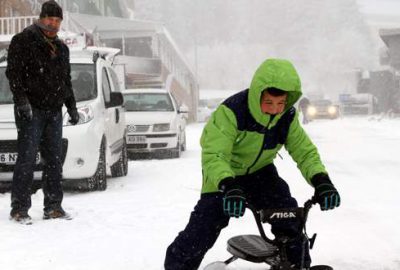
(5, 93)
(83, 81)
(83, 84)
(147, 102)
(322, 102)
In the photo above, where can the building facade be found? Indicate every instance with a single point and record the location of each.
(149, 56)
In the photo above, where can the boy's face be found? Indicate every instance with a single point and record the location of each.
(271, 104)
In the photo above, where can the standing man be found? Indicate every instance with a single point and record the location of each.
(304, 103)
(39, 75)
(239, 144)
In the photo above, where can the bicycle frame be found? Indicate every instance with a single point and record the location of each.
(269, 215)
(261, 249)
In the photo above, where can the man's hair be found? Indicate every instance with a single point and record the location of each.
(276, 92)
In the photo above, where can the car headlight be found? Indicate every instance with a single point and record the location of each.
(85, 115)
(160, 127)
(311, 110)
(332, 110)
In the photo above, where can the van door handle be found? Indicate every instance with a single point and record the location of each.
(116, 115)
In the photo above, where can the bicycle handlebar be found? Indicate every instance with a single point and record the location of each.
(269, 215)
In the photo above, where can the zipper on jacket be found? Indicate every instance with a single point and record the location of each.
(262, 146)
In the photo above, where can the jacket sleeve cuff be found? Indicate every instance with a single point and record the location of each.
(70, 103)
(20, 99)
(320, 178)
(227, 183)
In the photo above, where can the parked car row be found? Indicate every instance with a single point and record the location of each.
(97, 147)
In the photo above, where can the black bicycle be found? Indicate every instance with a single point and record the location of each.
(261, 249)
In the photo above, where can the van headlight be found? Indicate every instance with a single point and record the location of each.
(85, 115)
(160, 127)
(332, 110)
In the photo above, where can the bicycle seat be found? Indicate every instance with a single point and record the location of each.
(251, 248)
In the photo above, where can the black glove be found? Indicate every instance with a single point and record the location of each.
(234, 201)
(325, 192)
(25, 112)
(73, 116)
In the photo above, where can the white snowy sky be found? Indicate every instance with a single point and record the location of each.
(380, 14)
(129, 225)
(386, 7)
(225, 44)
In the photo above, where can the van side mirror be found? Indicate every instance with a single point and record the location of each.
(116, 99)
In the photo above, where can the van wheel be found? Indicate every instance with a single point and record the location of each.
(183, 144)
(120, 168)
(176, 152)
(99, 180)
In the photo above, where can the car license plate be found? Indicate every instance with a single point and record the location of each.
(136, 139)
(11, 158)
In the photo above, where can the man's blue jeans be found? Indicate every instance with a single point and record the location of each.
(44, 133)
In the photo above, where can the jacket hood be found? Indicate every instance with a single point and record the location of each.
(277, 73)
(35, 30)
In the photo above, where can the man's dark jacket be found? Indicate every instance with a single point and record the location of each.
(36, 76)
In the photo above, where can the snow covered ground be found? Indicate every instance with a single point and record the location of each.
(129, 225)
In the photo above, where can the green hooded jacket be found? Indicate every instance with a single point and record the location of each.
(240, 139)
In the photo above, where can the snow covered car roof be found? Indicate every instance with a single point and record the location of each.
(144, 90)
(88, 54)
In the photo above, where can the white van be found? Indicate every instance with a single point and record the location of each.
(94, 148)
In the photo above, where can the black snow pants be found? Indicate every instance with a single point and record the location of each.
(264, 189)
